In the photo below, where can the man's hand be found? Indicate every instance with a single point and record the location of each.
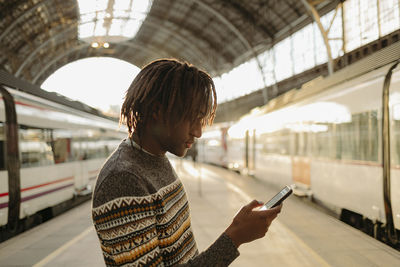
(250, 224)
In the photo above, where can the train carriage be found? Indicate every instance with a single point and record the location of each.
(337, 139)
(61, 147)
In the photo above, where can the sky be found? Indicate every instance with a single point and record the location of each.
(99, 82)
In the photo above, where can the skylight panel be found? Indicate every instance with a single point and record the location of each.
(111, 21)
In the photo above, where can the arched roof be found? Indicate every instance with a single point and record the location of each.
(37, 37)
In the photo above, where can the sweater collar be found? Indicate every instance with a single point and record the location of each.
(137, 146)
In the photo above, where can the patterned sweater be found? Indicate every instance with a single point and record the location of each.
(141, 214)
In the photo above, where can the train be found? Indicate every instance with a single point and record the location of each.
(51, 150)
(336, 139)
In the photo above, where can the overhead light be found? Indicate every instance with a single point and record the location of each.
(95, 45)
(106, 45)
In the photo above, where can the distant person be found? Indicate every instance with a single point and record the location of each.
(140, 209)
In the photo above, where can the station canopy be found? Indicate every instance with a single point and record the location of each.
(37, 37)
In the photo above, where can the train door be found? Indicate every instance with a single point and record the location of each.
(79, 150)
(82, 180)
(392, 162)
(301, 170)
(12, 162)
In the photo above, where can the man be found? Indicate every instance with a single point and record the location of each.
(140, 210)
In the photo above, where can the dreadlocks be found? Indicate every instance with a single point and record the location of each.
(179, 89)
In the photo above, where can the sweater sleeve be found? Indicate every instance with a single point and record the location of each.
(221, 253)
(132, 231)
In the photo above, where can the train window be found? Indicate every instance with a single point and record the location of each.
(323, 145)
(61, 150)
(358, 139)
(76, 153)
(100, 148)
(301, 144)
(35, 147)
(346, 148)
(2, 147)
(61, 145)
(395, 138)
(275, 143)
(94, 149)
(354, 140)
(370, 136)
(92, 145)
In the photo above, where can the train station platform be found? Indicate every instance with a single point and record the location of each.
(302, 235)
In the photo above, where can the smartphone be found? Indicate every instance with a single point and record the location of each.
(278, 198)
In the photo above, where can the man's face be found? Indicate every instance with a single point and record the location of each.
(177, 138)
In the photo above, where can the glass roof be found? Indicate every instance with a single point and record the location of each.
(110, 21)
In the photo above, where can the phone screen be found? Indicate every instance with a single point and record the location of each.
(278, 198)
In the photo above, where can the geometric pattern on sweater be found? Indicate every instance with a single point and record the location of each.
(147, 230)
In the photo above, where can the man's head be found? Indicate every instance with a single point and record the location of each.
(172, 91)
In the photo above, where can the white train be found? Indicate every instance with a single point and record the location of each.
(337, 139)
(52, 153)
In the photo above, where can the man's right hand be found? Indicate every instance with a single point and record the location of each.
(250, 224)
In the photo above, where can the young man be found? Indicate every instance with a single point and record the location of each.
(140, 210)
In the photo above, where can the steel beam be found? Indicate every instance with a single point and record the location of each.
(43, 45)
(20, 18)
(241, 38)
(313, 12)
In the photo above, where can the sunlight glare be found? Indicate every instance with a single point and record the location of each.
(99, 82)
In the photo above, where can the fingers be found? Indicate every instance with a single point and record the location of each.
(250, 224)
(253, 204)
(271, 213)
(278, 208)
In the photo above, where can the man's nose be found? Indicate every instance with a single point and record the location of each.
(196, 130)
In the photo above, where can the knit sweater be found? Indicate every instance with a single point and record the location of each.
(141, 214)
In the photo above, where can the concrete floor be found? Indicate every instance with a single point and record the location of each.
(301, 236)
